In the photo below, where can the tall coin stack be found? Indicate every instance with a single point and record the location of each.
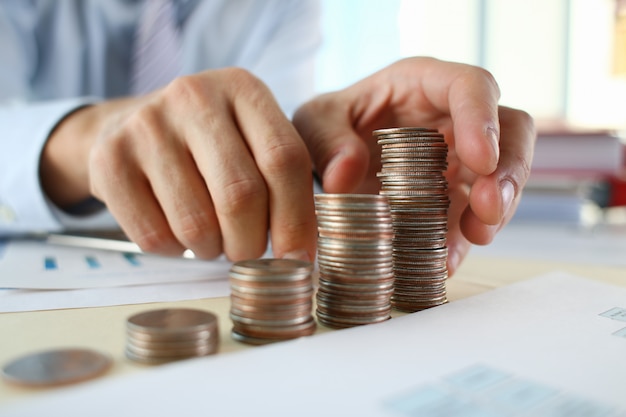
(412, 177)
(354, 257)
(271, 300)
(164, 335)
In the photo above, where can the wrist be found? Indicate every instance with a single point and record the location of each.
(63, 170)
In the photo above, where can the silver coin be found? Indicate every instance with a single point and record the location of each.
(270, 302)
(264, 340)
(275, 333)
(171, 344)
(270, 289)
(171, 353)
(343, 322)
(270, 319)
(272, 267)
(56, 367)
(269, 278)
(172, 321)
(403, 130)
(158, 360)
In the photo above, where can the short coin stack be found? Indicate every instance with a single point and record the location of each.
(412, 177)
(354, 257)
(169, 334)
(271, 300)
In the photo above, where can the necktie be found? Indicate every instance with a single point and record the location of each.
(157, 54)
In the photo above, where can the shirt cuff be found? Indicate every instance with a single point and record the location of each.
(24, 207)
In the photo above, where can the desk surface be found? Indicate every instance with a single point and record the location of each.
(104, 328)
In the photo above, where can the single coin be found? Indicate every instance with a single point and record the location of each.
(172, 321)
(250, 340)
(56, 367)
(285, 268)
(172, 353)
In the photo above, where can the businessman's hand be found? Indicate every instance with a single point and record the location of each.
(209, 163)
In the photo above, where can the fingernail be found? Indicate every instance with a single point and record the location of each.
(454, 258)
(299, 255)
(333, 163)
(494, 138)
(508, 194)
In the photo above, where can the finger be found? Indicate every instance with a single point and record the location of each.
(285, 165)
(471, 95)
(339, 154)
(494, 198)
(116, 181)
(184, 198)
(436, 89)
(236, 187)
(173, 179)
(458, 245)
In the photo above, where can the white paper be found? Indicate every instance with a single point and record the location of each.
(12, 301)
(36, 265)
(551, 346)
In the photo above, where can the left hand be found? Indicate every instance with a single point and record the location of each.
(490, 146)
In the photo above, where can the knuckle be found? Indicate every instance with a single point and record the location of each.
(527, 121)
(154, 241)
(285, 158)
(195, 229)
(144, 120)
(473, 75)
(241, 195)
(241, 76)
(185, 89)
(487, 76)
(107, 159)
(246, 84)
(196, 89)
(198, 96)
(102, 156)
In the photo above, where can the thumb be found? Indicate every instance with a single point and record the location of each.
(339, 155)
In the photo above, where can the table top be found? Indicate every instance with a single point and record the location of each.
(103, 328)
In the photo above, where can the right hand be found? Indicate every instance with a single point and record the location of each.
(208, 163)
(490, 146)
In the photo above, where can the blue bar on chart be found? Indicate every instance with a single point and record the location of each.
(92, 262)
(49, 263)
(616, 313)
(132, 259)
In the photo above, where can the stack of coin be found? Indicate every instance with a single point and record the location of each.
(412, 177)
(169, 334)
(355, 259)
(271, 300)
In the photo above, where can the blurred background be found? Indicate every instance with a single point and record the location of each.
(562, 61)
(557, 59)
